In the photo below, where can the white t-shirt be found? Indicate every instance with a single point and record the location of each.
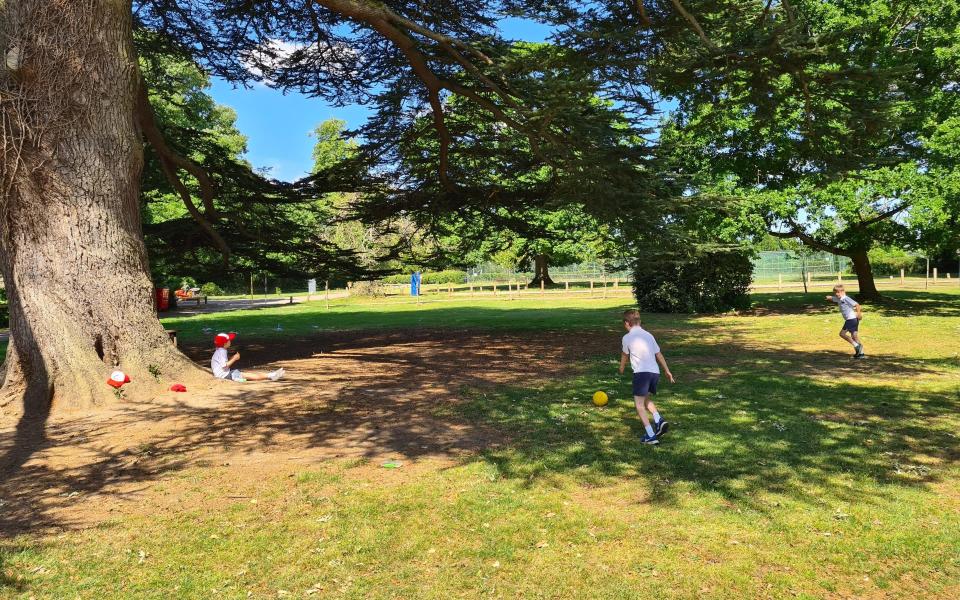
(218, 364)
(848, 307)
(642, 348)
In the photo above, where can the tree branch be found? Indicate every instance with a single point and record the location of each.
(642, 13)
(809, 240)
(169, 161)
(149, 126)
(882, 216)
(695, 24)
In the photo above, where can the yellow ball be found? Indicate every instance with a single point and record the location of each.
(600, 398)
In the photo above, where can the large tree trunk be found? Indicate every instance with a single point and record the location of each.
(541, 271)
(71, 246)
(861, 266)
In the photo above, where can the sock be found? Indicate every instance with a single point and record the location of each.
(656, 417)
(649, 430)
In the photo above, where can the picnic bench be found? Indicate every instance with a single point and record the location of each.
(198, 299)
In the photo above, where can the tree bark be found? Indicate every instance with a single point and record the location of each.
(861, 266)
(71, 245)
(541, 271)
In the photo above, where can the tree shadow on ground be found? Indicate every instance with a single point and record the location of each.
(380, 396)
(397, 393)
(739, 432)
(895, 303)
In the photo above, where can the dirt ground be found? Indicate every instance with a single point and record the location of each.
(374, 395)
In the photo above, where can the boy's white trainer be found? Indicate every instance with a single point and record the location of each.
(275, 375)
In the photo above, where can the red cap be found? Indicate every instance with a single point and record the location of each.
(178, 387)
(222, 338)
(118, 378)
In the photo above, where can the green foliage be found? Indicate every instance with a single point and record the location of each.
(211, 289)
(430, 277)
(889, 260)
(712, 282)
(368, 289)
(179, 283)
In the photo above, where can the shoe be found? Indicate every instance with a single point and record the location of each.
(646, 439)
(275, 375)
(859, 356)
(859, 349)
(660, 429)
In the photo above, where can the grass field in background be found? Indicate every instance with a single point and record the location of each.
(790, 471)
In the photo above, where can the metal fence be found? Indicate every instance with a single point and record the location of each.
(775, 266)
(489, 272)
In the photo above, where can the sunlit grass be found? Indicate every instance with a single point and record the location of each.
(791, 471)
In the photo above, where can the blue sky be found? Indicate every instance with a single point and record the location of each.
(278, 125)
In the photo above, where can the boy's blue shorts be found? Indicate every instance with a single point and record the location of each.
(851, 325)
(645, 383)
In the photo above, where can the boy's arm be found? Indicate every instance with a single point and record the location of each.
(859, 312)
(233, 359)
(666, 369)
(830, 298)
(624, 357)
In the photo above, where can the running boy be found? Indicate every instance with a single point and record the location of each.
(642, 351)
(852, 313)
(221, 365)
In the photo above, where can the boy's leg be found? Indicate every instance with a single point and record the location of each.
(641, 395)
(856, 342)
(847, 337)
(257, 376)
(640, 402)
(660, 425)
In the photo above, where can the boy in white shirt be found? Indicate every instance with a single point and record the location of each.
(642, 351)
(852, 314)
(220, 364)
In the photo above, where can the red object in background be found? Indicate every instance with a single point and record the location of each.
(178, 387)
(163, 299)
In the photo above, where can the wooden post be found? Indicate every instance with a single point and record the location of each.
(604, 285)
(542, 286)
(450, 289)
(566, 285)
(616, 283)
(591, 288)
(934, 276)
(251, 286)
(809, 276)
(326, 292)
(494, 289)
(471, 289)
(779, 281)
(901, 277)
(840, 276)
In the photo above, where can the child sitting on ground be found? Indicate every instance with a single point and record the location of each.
(221, 365)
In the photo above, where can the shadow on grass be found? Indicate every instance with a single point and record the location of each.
(895, 303)
(778, 429)
(739, 433)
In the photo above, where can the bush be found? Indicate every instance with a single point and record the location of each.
(889, 261)
(712, 282)
(368, 289)
(178, 283)
(448, 276)
(211, 289)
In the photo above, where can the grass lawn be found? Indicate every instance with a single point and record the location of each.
(790, 471)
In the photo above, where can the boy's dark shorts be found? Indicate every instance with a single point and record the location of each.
(851, 325)
(645, 383)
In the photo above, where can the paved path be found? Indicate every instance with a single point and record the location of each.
(214, 306)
